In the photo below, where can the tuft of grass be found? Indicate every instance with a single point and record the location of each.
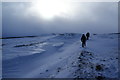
(100, 78)
(99, 67)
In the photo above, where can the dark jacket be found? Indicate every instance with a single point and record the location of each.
(83, 38)
(88, 34)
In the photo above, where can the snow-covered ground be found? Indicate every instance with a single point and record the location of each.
(0, 59)
(61, 56)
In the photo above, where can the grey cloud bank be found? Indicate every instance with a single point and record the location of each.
(95, 17)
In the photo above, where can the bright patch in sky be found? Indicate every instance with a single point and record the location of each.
(48, 9)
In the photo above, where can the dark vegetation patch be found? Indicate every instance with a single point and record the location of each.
(83, 63)
(17, 37)
(103, 60)
(94, 34)
(3, 44)
(86, 53)
(99, 68)
(58, 69)
(46, 70)
(61, 34)
(40, 73)
(53, 34)
(67, 34)
(25, 45)
(100, 77)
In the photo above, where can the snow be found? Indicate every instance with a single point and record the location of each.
(58, 44)
(61, 56)
(0, 59)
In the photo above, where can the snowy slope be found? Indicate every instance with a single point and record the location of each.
(61, 56)
(0, 59)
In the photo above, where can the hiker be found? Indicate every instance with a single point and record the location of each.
(83, 40)
(87, 35)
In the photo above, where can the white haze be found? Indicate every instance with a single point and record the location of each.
(93, 17)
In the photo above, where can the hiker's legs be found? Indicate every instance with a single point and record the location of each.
(82, 44)
(85, 43)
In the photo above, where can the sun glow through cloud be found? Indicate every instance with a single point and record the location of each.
(48, 9)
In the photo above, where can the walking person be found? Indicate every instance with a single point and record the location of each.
(87, 35)
(83, 40)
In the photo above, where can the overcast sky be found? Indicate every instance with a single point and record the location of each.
(20, 19)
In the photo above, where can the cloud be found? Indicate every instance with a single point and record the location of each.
(95, 17)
